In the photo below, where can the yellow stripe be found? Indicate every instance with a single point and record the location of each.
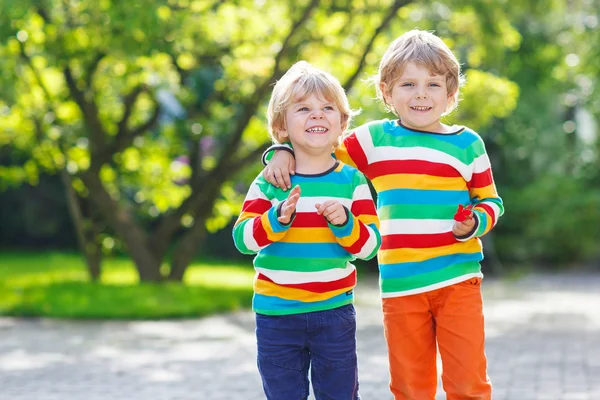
(272, 236)
(273, 289)
(369, 219)
(488, 219)
(487, 192)
(415, 255)
(309, 235)
(246, 215)
(342, 154)
(411, 181)
(352, 237)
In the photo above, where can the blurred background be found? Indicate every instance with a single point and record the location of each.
(130, 132)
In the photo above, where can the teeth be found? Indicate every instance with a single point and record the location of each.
(421, 108)
(316, 129)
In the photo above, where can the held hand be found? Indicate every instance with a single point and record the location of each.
(289, 206)
(334, 211)
(278, 170)
(463, 228)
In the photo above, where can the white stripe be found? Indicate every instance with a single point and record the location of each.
(290, 277)
(249, 240)
(254, 193)
(392, 153)
(362, 192)
(369, 246)
(415, 226)
(432, 287)
(480, 164)
(363, 135)
(494, 207)
(307, 204)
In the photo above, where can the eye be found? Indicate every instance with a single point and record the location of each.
(406, 84)
(303, 109)
(435, 84)
(329, 108)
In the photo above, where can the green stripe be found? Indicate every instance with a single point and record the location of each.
(429, 142)
(295, 264)
(238, 237)
(416, 211)
(430, 278)
(291, 311)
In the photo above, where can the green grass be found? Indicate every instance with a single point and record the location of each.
(57, 285)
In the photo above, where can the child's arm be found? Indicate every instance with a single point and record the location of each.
(356, 230)
(280, 163)
(487, 205)
(261, 223)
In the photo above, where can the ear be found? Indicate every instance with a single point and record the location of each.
(387, 95)
(282, 133)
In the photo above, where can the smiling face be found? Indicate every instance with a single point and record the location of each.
(313, 124)
(418, 98)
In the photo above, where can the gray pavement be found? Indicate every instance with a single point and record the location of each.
(543, 342)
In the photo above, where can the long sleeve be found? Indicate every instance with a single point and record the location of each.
(360, 234)
(257, 226)
(488, 206)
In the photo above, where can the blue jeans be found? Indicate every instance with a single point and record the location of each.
(325, 341)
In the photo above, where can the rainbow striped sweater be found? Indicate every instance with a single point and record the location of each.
(306, 265)
(421, 178)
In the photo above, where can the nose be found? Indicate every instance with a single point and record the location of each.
(317, 114)
(421, 96)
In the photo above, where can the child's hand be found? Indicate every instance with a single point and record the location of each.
(464, 221)
(289, 206)
(334, 211)
(463, 228)
(278, 170)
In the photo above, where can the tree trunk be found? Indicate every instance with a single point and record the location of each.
(86, 238)
(133, 235)
(186, 250)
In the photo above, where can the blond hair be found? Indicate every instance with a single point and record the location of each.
(424, 48)
(299, 82)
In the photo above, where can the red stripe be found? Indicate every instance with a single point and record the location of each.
(360, 242)
(419, 167)
(258, 206)
(490, 211)
(481, 179)
(356, 152)
(259, 233)
(404, 241)
(318, 287)
(360, 207)
(309, 220)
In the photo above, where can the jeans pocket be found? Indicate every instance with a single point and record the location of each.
(347, 312)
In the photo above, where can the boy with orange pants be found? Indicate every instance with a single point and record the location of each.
(430, 276)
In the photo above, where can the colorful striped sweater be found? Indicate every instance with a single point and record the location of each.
(421, 178)
(305, 266)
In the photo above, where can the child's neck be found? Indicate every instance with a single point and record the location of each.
(312, 164)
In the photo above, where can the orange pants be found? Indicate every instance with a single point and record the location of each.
(453, 316)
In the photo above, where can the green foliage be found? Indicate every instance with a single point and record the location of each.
(57, 285)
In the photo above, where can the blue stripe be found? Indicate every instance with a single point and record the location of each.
(402, 270)
(343, 231)
(305, 250)
(262, 302)
(275, 224)
(343, 177)
(421, 196)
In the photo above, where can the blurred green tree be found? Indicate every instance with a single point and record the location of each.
(153, 111)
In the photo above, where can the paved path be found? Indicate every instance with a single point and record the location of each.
(543, 343)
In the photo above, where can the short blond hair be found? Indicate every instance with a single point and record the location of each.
(424, 48)
(299, 82)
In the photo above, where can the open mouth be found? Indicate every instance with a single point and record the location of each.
(421, 108)
(317, 130)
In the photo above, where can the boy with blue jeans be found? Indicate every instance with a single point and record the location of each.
(422, 169)
(304, 284)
